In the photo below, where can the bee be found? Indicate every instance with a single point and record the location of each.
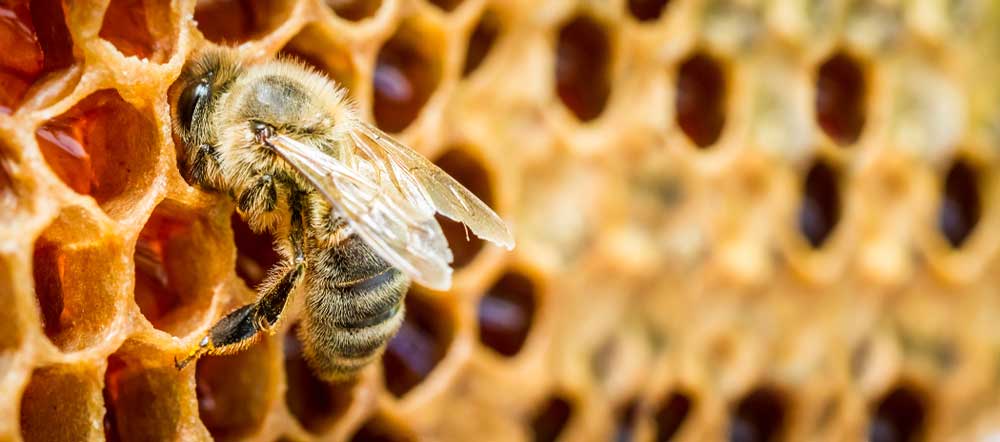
(351, 210)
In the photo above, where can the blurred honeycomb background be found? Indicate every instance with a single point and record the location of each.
(745, 220)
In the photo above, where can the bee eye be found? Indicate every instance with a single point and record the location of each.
(189, 100)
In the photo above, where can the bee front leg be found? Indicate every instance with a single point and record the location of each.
(204, 166)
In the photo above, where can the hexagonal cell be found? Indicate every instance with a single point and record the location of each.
(407, 72)
(625, 419)
(255, 254)
(139, 28)
(900, 415)
(177, 265)
(819, 211)
(354, 10)
(583, 67)
(61, 403)
(840, 98)
(701, 98)
(550, 420)
(102, 147)
(961, 203)
(76, 281)
(383, 428)
(671, 414)
(758, 416)
(422, 342)
(142, 402)
(468, 170)
(34, 37)
(314, 48)
(647, 10)
(481, 41)
(446, 5)
(506, 313)
(237, 21)
(235, 391)
(317, 405)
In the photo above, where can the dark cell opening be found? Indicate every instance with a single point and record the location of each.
(381, 428)
(671, 414)
(421, 343)
(315, 404)
(406, 74)
(481, 41)
(625, 418)
(446, 5)
(701, 99)
(35, 41)
(548, 424)
(139, 28)
(506, 313)
(759, 416)
(236, 21)
(102, 147)
(840, 98)
(820, 209)
(467, 170)
(961, 203)
(647, 10)
(131, 391)
(583, 67)
(255, 253)
(233, 391)
(899, 417)
(354, 10)
(58, 402)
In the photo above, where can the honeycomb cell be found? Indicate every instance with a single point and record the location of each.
(840, 98)
(469, 171)
(382, 428)
(446, 5)
(102, 147)
(255, 253)
(235, 391)
(142, 402)
(237, 21)
(354, 10)
(421, 343)
(625, 418)
(314, 48)
(961, 203)
(139, 28)
(75, 284)
(481, 41)
(35, 41)
(819, 212)
(407, 72)
(61, 403)
(583, 67)
(550, 420)
(898, 417)
(700, 100)
(759, 416)
(173, 286)
(647, 10)
(506, 313)
(671, 414)
(317, 405)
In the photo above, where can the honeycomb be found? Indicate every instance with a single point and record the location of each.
(737, 219)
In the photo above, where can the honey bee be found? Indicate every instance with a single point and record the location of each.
(352, 210)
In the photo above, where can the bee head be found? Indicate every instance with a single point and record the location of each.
(204, 78)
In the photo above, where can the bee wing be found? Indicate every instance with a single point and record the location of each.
(439, 189)
(384, 212)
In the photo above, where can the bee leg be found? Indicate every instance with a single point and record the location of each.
(242, 326)
(260, 197)
(204, 168)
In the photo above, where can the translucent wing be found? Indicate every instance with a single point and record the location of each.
(437, 188)
(382, 207)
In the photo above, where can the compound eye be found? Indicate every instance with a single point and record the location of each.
(189, 100)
